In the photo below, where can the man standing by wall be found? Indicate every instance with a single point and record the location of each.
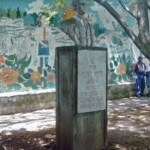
(140, 70)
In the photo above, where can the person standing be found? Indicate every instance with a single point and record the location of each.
(140, 70)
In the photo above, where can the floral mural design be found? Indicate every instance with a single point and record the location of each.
(29, 34)
(68, 13)
(9, 76)
(35, 76)
(121, 69)
(51, 77)
(1, 59)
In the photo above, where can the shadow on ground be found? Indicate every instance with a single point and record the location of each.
(127, 130)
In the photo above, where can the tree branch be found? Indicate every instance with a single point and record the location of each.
(143, 20)
(127, 9)
(148, 7)
(120, 20)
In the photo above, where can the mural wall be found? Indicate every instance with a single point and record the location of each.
(28, 41)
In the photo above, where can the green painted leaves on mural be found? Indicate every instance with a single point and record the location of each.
(112, 70)
(34, 87)
(49, 69)
(20, 79)
(30, 70)
(45, 73)
(55, 21)
(11, 57)
(112, 58)
(114, 76)
(115, 63)
(23, 63)
(111, 65)
(32, 39)
(124, 58)
(58, 4)
(8, 63)
(124, 77)
(2, 66)
(117, 41)
(97, 30)
(44, 81)
(40, 69)
(22, 60)
(120, 78)
(11, 61)
(28, 83)
(14, 86)
(27, 75)
(17, 86)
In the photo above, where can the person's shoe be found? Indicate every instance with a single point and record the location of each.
(138, 96)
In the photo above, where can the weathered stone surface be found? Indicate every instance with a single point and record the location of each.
(26, 103)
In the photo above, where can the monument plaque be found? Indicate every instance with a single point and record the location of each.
(91, 80)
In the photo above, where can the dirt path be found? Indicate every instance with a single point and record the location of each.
(130, 129)
(127, 129)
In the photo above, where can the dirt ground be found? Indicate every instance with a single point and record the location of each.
(127, 130)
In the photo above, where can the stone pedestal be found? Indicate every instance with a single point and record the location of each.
(81, 101)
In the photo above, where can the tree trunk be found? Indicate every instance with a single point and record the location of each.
(143, 20)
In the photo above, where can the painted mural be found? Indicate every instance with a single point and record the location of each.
(28, 38)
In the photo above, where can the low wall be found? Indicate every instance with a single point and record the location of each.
(25, 102)
(120, 91)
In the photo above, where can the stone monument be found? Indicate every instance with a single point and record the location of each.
(81, 85)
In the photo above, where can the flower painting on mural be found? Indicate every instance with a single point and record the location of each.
(1, 59)
(68, 13)
(121, 69)
(9, 76)
(35, 76)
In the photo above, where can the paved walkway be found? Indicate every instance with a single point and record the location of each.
(38, 120)
(125, 103)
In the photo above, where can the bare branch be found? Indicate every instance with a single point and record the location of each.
(127, 9)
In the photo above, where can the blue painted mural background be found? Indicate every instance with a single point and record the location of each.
(28, 41)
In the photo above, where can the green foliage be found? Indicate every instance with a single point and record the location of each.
(21, 79)
(45, 73)
(117, 41)
(8, 63)
(11, 57)
(40, 69)
(30, 70)
(54, 20)
(28, 83)
(49, 69)
(58, 4)
(97, 30)
(27, 75)
(11, 13)
(23, 63)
